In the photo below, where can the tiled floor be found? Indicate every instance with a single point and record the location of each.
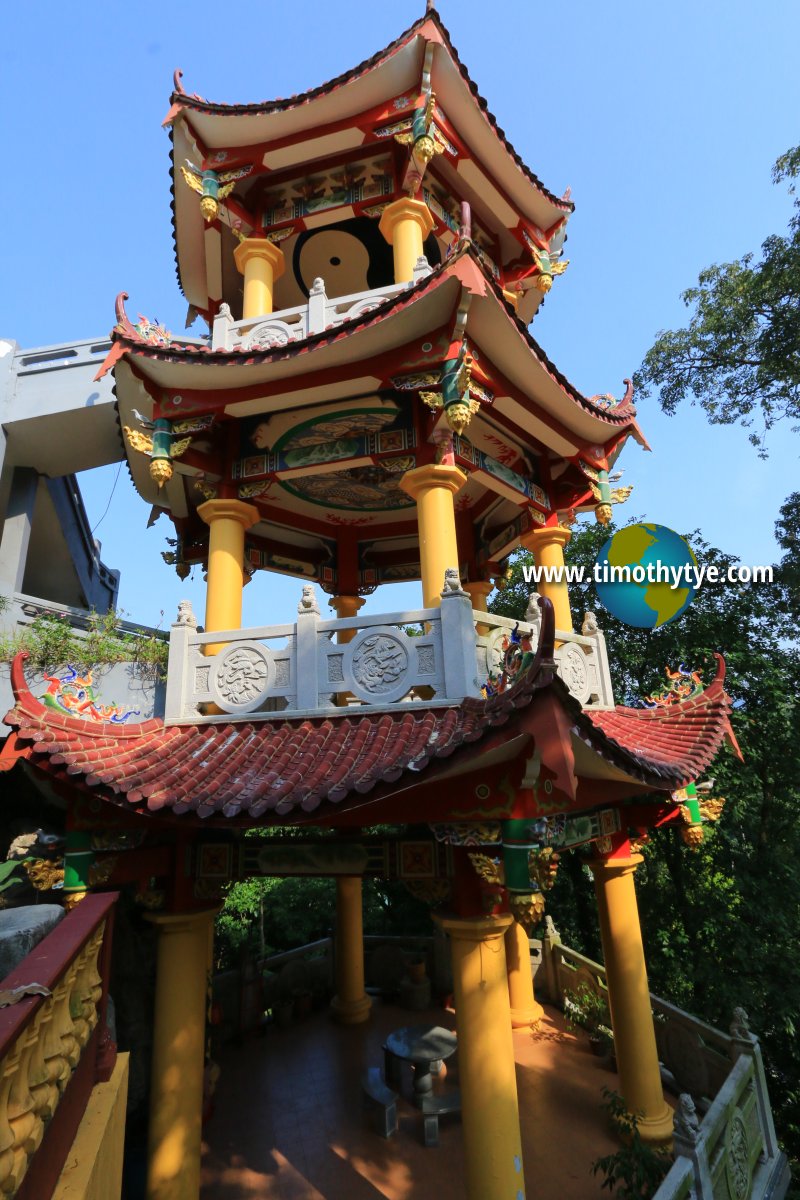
(288, 1121)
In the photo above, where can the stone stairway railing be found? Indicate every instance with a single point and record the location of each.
(725, 1145)
(54, 1046)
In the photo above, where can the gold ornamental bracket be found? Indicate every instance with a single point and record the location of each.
(212, 186)
(163, 444)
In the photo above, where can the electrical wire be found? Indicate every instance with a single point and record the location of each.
(110, 498)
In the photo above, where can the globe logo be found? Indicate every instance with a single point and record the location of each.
(645, 595)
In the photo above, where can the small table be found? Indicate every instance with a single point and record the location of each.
(423, 1046)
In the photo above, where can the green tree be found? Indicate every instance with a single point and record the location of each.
(739, 356)
(719, 924)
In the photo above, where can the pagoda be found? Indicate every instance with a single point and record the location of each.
(368, 406)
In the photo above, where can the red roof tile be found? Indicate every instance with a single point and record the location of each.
(675, 739)
(126, 338)
(284, 767)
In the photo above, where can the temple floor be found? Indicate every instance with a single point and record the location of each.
(288, 1122)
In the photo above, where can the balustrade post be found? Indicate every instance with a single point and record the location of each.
(306, 658)
(317, 312)
(221, 329)
(182, 628)
(459, 646)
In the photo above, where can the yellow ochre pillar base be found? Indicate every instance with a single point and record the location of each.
(405, 224)
(525, 1008)
(351, 1005)
(433, 487)
(346, 606)
(629, 998)
(547, 546)
(489, 1106)
(227, 521)
(176, 1089)
(262, 263)
(479, 591)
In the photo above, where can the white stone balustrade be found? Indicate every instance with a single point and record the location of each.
(303, 669)
(288, 325)
(581, 658)
(725, 1143)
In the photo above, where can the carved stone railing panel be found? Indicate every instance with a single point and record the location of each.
(725, 1145)
(581, 658)
(302, 668)
(49, 1037)
(273, 330)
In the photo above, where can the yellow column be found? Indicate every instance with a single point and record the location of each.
(525, 1009)
(405, 224)
(176, 1089)
(490, 1112)
(351, 1005)
(346, 606)
(261, 262)
(227, 521)
(479, 591)
(629, 997)
(433, 488)
(547, 546)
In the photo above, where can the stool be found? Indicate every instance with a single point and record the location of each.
(380, 1102)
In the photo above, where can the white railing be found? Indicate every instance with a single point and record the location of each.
(724, 1143)
(302, 668)
(321, 312)
(581, 658)
(310, 666)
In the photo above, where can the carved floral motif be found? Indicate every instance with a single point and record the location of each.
(242, 675)
(572, 669)
(737, 1163)
(379, 663)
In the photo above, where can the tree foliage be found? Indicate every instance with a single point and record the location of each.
(739, 356)
(720, 925)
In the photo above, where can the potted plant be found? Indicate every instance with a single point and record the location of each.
(587, 1009)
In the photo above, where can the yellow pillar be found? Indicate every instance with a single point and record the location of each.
(405, 224)
(433, 488)
(547, 546)
(629, 997)
(176, 1089)
(479, 591)
(487, 1075)
(261, 262)
(351, 1005)
(525, 1009)
(227, 521)
(346, 606)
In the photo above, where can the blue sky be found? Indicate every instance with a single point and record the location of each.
(664, 119)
